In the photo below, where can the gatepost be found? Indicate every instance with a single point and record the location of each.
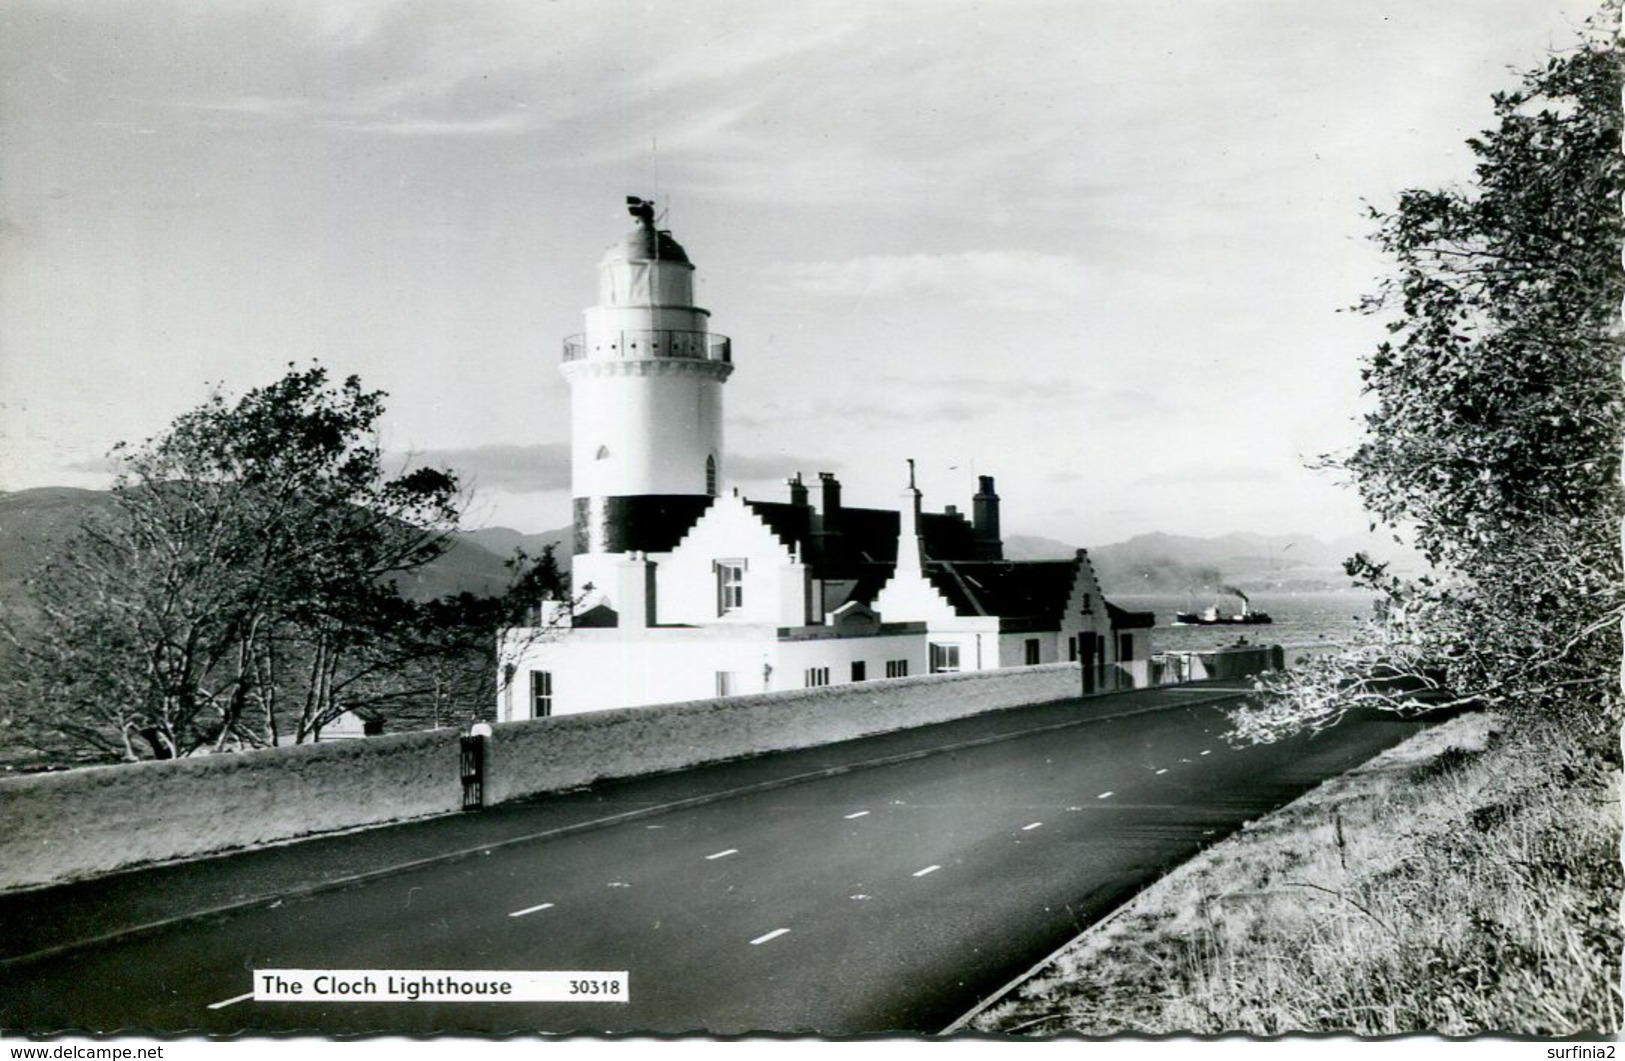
(476, 743)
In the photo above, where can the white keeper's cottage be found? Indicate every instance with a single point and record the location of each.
(697, 592)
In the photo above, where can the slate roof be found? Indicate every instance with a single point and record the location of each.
(867, 536)
(1123, 619)
(1008, 589)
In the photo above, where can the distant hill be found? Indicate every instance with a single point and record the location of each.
(1171, 563)
(477, 562)
(1029, 547)
(33, 523)
(504, 540)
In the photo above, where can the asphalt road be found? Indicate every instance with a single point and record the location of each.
(882, 899)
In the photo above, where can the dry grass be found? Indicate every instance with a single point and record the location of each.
(1465, 882)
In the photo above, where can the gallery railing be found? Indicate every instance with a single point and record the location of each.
(650, 343)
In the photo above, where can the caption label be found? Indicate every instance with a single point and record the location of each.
(436, 985)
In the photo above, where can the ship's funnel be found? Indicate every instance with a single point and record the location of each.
(1237, 592)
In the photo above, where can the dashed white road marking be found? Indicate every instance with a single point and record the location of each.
(928, 869)
(1207, 751)
(222, 1004)
(1030, 828)
(859, 814)
(775, 934)
(722, 854)
(1164, 770)
(1104, 795)
(531, 909)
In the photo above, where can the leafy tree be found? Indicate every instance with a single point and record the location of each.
(1495, 430)
(242, 577)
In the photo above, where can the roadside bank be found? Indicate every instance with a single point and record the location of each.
(1464, 882)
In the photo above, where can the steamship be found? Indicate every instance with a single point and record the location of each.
(1210, 616)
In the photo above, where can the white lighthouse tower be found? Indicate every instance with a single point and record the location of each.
(645, 404)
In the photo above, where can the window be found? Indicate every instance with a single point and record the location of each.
(1032, 651)
(711, 475)
(541, 693)
(944, 658)
(1072, 649)
(817, 676)
(860, 670)
(1125, 647)
(897, 668)
(726, 683)
(730, 585)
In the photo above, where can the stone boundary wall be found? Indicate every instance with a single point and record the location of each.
(81, 823)
(548, 754)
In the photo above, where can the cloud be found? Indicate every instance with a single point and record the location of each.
(1206, 476)
(1012, 280)
(536, 468)
(943, 399)
(107, 465)
(509, 468)
(490, 125)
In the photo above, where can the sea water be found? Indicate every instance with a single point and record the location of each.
(1302, 620)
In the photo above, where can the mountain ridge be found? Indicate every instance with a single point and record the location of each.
(34, 522)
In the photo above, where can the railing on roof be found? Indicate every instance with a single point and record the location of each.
(645, 344)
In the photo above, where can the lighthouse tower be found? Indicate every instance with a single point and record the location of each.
(645, 403)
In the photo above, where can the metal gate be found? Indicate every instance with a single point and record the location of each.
(473, 772)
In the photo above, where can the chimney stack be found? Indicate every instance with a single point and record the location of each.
(828, 553)
(985, 521)
(832, 496)
(910, 550)
(798, 491)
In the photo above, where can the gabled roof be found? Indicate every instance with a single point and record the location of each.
(1123, 619)
(864, 536)
(791, 524)
(1005, 588)
(863, 584)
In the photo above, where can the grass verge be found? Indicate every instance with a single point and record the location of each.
(1465, 882)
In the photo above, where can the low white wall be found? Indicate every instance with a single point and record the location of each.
(80, 823)
(548, 754)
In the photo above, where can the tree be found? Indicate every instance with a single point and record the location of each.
(1495, 433)
(242, 577)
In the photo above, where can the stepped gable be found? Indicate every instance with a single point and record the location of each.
(791, 524)
(868, 535)
(1004, 588)
(863, 584)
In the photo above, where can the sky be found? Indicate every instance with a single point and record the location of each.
(1099, 249)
